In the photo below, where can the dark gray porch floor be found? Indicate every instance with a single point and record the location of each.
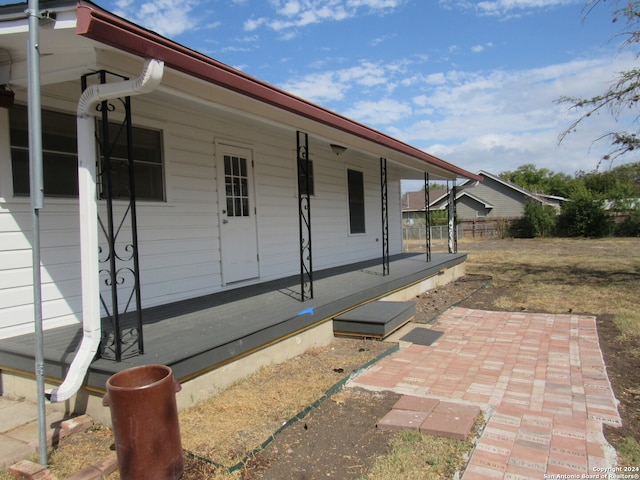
(197, 335)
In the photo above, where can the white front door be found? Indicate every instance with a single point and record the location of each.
(238, 229)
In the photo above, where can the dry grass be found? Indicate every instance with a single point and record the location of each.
(562, 275)
(414, 455)
(226, 428)
(75, 453)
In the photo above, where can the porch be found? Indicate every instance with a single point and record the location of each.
(199, 335)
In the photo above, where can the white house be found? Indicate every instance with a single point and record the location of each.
(222, 165)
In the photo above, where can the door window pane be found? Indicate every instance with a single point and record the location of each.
(236, 186)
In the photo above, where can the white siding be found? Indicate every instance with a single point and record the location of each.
(60, 265)
(179, 239)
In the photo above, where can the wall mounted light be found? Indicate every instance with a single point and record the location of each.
(7, 97)
(6, 94)
(337, 149)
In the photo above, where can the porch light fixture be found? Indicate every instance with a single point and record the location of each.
(7, 97)
(337, 149)
(6, 94)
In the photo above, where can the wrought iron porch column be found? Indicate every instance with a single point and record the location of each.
(121, 263)
(304, 216)
(453, 237)
(427, 215)
(385, 216)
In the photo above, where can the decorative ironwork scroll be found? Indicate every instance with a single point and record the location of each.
(427, 215)
(453, 237)
(122, 328)
(385, 216)
(304, 216)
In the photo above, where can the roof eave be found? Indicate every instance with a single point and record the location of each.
(105, 27)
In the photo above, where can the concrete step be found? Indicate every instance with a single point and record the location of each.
(374, 320)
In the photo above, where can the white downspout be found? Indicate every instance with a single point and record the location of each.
(148, 80)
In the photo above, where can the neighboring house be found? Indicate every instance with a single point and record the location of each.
(217, 157)
(623, 206)
(492, 198)
(414, 203)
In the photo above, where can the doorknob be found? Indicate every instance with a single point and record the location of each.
(224, 220)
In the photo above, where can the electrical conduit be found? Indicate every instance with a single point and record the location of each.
(148, 81)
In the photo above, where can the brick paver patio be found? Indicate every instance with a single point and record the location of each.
(539, 378)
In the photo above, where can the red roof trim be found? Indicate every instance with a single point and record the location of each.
(105, 27)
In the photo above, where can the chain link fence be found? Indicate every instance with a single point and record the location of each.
(414, 238)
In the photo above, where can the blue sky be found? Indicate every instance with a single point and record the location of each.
(474, 83)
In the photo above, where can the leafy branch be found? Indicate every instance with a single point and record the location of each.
(621, 97)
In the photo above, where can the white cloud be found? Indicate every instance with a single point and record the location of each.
(254, 23)
(499, 119)
(375, 4)
(380, 112)
(318, 87)
(489, 120)
(506, 7)
(331, 86)
(166, 17)
(481, 48)
(292, 14)
(492, 120)
(381, 39)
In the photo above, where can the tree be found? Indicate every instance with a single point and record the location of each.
(538, 220)
(631, 225)
(623, 94)
(620, 186)
(539, 180)
(584, 214)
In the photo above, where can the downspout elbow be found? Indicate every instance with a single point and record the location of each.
(148, 80)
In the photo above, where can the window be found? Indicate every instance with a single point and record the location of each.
(59, 153)
(355, 182)
(303, 185)
(147, 163)
(60, 157)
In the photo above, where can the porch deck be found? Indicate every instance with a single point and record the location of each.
(198, 335)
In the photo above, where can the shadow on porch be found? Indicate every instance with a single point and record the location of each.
(199, 335)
